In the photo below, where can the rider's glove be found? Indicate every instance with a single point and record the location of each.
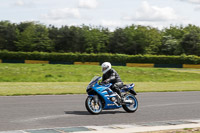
(105, 81)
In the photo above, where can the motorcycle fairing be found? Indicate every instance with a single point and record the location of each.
(103, 91)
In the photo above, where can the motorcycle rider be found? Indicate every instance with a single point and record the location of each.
(111, 76)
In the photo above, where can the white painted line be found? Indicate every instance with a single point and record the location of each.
(44, 118)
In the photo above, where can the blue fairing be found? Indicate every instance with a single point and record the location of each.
(127, 87)
(105, 93)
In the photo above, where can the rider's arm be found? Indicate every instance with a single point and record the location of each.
(103, 77)
(112, 77)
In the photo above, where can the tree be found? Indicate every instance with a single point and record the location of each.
(96, 39)
(135, 40)
(34, 37)
(191, 40)
(7, 36)
(53, 33)
(171, 46)
(171, 38)
(69, 39)
(175, 32)
(117, 41)
(76, 39)
(41, 40)
(154, 40)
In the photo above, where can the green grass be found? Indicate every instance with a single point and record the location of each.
(37, 79)
(78, 73)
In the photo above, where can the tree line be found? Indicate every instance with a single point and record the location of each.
(132, 40)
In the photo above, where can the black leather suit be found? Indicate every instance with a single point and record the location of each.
(113, 77)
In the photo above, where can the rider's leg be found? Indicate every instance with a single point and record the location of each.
(116, 87)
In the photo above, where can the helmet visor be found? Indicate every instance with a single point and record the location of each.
(104, 68)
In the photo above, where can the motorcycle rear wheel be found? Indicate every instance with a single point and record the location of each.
(92, 107)
(130, 107)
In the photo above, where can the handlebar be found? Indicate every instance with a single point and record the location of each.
(103, 83)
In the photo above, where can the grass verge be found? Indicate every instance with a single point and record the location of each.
(58, 88)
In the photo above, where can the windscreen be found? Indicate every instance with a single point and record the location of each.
(95, 78)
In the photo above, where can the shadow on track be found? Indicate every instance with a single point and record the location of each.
(87, 113)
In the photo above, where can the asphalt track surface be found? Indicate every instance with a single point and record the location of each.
(34, 112)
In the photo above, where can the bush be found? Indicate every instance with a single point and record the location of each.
(114, 58)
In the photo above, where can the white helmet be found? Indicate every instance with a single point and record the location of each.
(106, 66)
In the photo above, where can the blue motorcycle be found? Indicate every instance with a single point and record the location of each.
(101, 97)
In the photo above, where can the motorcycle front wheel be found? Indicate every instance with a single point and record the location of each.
(130, 107)
(91, 106)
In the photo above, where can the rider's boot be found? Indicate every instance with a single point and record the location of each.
(119, 98)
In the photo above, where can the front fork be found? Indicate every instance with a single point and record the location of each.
(96, 99)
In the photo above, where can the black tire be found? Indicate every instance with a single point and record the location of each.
(93, 109)
(130, 107)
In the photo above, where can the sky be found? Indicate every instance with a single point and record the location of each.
(107, 13)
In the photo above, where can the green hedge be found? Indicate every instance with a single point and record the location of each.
(114, 58)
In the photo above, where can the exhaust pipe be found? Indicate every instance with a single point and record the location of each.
(128, 101)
